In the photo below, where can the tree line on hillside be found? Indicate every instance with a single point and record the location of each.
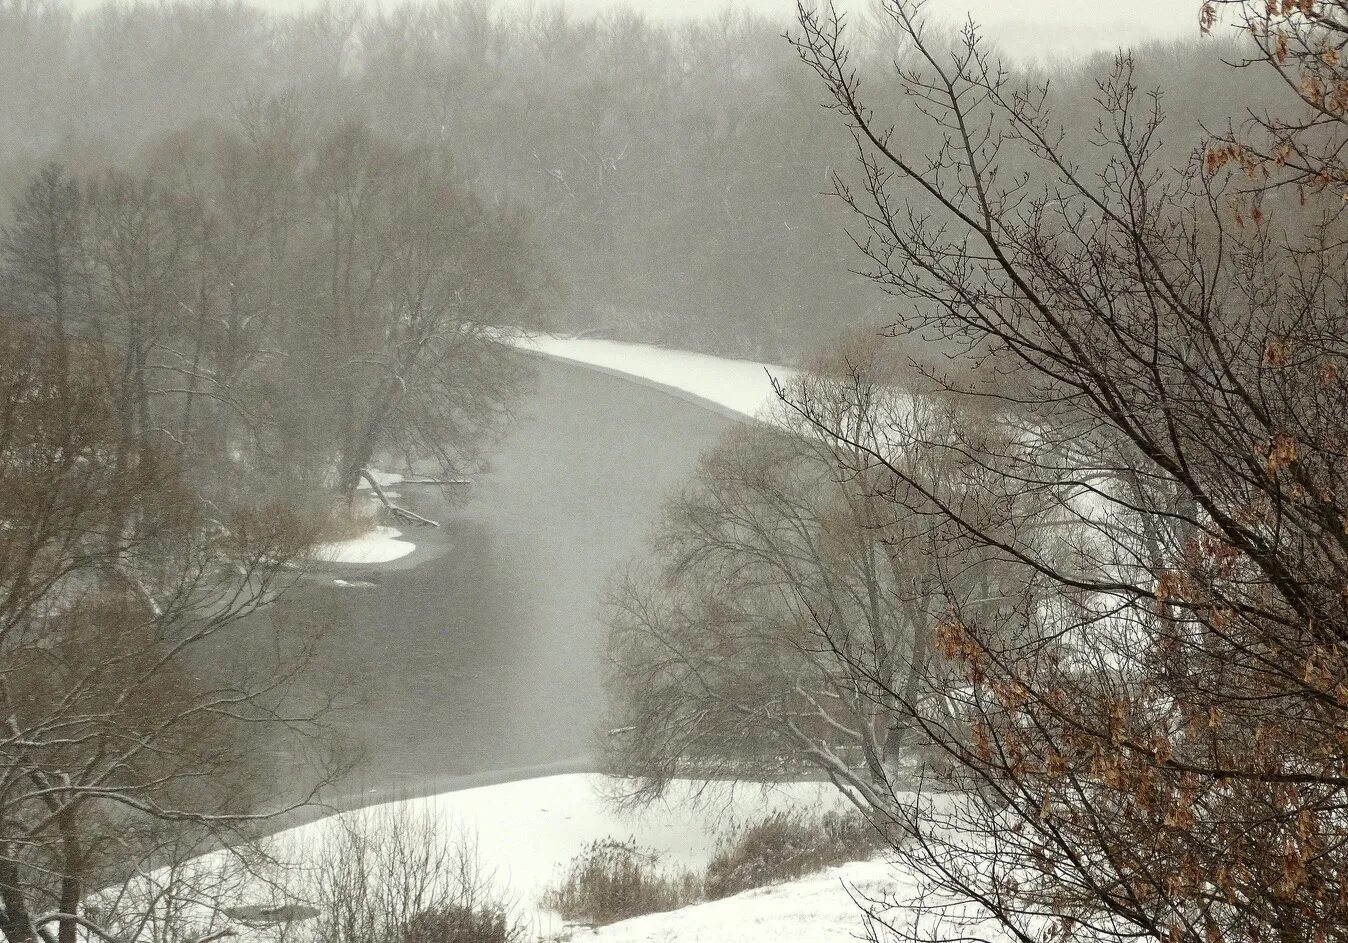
(1064, 614)
(677, 175)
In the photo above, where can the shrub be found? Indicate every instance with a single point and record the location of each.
(784, 846)
(612, 880)
(460, 924)
(397, 874)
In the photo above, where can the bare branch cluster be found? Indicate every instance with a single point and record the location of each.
(1148, 740)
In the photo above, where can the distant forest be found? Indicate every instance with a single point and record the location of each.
(676, 179)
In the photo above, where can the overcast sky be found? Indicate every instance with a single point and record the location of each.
(1032, 28)
(1024, 28)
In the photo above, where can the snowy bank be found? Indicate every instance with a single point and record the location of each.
(380, 545)
(528, 831)
(738, 386)
(820, 908)
(524, 834)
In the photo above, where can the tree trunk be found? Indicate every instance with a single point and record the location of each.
(16, 923)
(72, 883)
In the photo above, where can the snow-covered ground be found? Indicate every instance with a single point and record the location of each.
(740, 386)
(526, 832)
(820, 908)
(379, 545)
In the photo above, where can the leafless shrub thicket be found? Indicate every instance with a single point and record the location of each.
(393, 874)
(613, 880)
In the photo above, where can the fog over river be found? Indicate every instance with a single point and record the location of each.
(487, 655)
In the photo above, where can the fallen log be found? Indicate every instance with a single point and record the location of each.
(402, 513)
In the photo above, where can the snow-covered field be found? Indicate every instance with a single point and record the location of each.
(740, 386)
(526, 832)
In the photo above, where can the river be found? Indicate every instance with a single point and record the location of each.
(488, 656)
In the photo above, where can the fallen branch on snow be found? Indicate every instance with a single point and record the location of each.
(410, 517)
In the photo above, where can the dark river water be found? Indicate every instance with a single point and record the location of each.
(488, 655)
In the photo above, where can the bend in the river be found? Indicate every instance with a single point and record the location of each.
(487, 658)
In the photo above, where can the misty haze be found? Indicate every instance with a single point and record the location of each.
(528, 472)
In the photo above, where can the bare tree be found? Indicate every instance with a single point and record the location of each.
(1157, 750)
(118, 587)
(419, 279)
(790, 607)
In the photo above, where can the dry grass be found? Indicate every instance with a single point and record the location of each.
(613, 880)
(786, 845)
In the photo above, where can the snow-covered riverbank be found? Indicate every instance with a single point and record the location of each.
(819, 908)
(525, 833)
(739, 387)
(378, 545)
(522, 835)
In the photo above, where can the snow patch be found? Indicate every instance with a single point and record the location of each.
(380, 545)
